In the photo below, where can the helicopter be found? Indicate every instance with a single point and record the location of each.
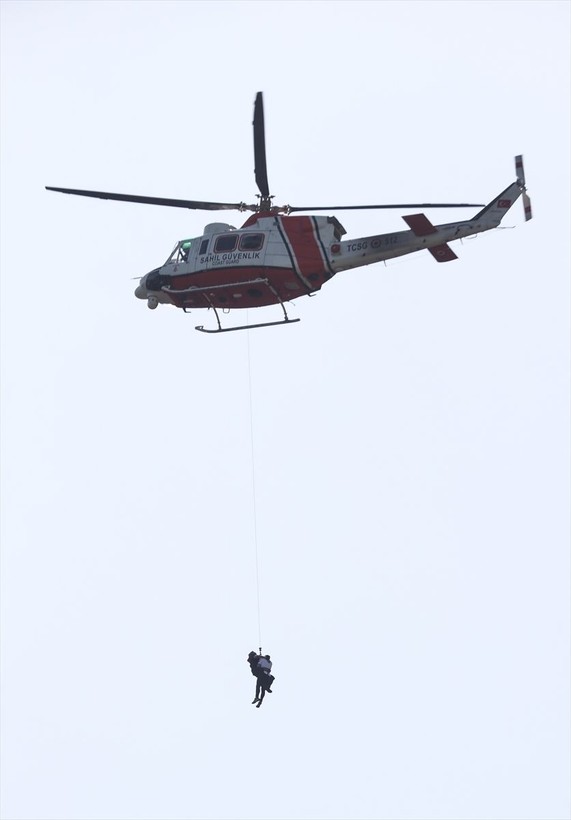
(276, 257)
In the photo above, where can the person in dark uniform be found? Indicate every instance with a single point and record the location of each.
(261, 667)
(264, 678)
(253, 661)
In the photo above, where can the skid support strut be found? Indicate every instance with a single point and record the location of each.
(206, 292)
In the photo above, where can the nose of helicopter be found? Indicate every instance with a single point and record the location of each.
(141, 289)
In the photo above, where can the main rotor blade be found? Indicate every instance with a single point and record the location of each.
(155, 200)
(260, 169)
(402, 207)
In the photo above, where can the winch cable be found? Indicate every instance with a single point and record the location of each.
(254, 507)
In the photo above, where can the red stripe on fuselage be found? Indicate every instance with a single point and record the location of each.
(300, 233)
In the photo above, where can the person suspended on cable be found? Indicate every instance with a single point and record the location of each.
(253, 659)
(261, 667)
(264, 679)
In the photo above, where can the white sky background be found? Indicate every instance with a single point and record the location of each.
(411, 432)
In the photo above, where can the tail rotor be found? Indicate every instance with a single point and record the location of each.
(520, 174)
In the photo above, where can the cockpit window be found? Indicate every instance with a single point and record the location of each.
(184, 249)
(225, 243)
(180, 253)
(251, 241)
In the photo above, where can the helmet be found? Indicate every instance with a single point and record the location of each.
(267, 657)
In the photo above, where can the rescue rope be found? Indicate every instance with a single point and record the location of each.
(254, 496)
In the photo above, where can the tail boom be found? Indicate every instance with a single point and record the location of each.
(423, 235)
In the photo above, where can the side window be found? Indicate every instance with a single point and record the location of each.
(225, 243)
(203, 247)
(251, 241)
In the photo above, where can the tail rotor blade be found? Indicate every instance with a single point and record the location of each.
(519, 171)
(526, 206)
(260, 169)
(520, 175)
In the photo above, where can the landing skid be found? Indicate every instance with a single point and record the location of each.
(221, 329)
(207, 292)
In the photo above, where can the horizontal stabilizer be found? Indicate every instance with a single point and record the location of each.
(442, 253)
(420, 224)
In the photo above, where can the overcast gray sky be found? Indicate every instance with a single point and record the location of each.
(411, 433)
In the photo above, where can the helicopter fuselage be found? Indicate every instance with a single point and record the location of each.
(271, 259)
(274, 258)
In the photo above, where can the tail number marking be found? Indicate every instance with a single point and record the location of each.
(384, 241)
